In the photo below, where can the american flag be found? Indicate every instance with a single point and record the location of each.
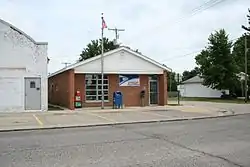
(104, 25)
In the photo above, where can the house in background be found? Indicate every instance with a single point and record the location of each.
(193, 88)
(124, 70)
(23, 71)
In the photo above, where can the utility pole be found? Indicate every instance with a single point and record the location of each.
(66, 64)
(246, 76)
(244, 27)
(116, 30)
(170, 82)
(246, 52)
(177, 78)
(104, 25)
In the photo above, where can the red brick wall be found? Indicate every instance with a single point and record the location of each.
(162, 80)
(131, 95)
(62, 92)
(166, 93)
(80, 85)
(68, 83)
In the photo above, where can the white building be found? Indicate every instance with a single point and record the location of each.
(193, 88)
(23, 71)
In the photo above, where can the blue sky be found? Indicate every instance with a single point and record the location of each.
(153, 27)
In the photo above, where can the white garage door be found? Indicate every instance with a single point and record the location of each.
(11, 94)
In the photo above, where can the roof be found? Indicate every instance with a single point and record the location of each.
(195, 79)
(198, 79)
(164, 67)
(21, 32)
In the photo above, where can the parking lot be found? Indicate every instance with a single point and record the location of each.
(85, 117)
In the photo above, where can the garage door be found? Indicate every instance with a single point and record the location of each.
(11, 94)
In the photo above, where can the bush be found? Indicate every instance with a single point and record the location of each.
(228, 96)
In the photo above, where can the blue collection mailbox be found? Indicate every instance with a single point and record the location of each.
(117, 99)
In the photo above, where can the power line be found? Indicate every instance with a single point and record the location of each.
(207, 5)
(204, 4)
(247, 28)
(180, 56)
(188, 54)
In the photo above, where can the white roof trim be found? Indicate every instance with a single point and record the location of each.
(119, 72)
(23, 33)
(109, 53)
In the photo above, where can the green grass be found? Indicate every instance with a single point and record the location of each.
(218, 100)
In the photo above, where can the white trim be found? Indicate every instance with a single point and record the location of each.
(21, 32)
(109, 53)
(121, 72)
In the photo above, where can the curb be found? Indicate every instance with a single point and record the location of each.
(120, 123)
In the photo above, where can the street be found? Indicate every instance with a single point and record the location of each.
(205, 142)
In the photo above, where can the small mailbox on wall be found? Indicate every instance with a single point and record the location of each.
(129, 80)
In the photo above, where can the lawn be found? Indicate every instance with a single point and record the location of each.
(218, 100)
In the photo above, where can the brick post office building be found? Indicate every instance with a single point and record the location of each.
(124, 70)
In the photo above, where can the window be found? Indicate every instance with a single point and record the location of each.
(93, 87)
(32, 84)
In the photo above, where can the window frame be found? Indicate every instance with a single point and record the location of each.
(96, 78)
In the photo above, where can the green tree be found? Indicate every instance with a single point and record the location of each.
(239, 53)
(172, 84)
(216, 63)
(94, 48)
(190, 74)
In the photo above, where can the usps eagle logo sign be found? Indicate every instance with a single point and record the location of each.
(129, 80)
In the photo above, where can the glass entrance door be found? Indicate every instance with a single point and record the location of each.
(153, 92)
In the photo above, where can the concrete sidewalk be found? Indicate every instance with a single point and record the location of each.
(96, 116)
(230, 107)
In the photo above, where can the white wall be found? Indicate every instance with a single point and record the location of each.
(120, 63)
(20, 57)
(198, 90)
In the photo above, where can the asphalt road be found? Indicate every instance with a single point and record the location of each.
(213, 142)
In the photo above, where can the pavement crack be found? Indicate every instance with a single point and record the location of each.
(164, 138)
(160, 137)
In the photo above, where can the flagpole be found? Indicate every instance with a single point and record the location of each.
(102, 66)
